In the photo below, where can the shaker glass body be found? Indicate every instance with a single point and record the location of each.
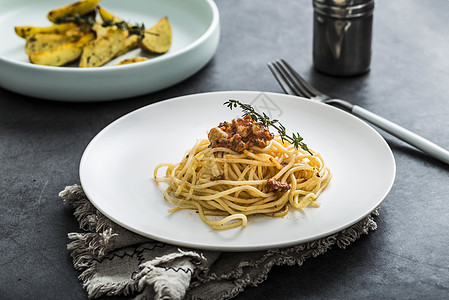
(342, 37)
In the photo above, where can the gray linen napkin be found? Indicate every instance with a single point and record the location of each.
(115, 261)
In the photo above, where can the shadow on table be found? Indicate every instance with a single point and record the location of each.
(414, 154)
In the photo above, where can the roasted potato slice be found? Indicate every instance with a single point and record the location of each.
(78, 8)
(40, 42)
(131, 43)
(157, 39)
(80, 30)
(62, 54)
(103, 49)
(105, 15)
(24, 31)
(99, 30)
(132, 60)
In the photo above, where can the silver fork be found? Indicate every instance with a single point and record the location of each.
(292, 83)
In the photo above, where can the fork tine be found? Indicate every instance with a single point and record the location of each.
(292, 79)
(287, 80)
(280, 78)
(310, 89)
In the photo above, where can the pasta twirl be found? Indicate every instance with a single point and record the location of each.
(219, 181)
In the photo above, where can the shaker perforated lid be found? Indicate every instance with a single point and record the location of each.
(344, 9)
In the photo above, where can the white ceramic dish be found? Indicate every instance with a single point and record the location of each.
(116, 170)
(195, 27)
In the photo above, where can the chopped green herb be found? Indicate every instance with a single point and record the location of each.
(248, 110)
(138, 29)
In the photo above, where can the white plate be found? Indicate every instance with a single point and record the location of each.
(116, 170)
(195, 27)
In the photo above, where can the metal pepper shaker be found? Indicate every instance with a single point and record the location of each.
(342, 34)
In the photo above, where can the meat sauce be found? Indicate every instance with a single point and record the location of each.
(240, 135)
(276, 186)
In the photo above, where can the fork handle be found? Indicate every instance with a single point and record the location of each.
(407, 136)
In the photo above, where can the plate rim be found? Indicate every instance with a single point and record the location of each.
(224, 248)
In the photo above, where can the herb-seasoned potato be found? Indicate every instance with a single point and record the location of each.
(80, 30)
(105, 15)
(157, 39)
(103, 49)
(132, 60)
(78, 8)
(40, 42)
(24, 31)
(99, 30)
(62, 54)
(131, 43)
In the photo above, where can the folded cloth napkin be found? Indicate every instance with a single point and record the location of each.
(114, 261)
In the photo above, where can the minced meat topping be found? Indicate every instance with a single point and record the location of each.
(275, 186)
(240, 134)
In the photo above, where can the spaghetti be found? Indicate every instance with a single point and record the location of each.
(218, 178)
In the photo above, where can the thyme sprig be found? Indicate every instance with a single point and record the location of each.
(138, 29)
(248, 110)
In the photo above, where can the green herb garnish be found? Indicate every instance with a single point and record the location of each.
(248, 110)
(132, 29)
(138, 29)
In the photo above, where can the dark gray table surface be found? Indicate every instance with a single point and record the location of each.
(41, 143)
